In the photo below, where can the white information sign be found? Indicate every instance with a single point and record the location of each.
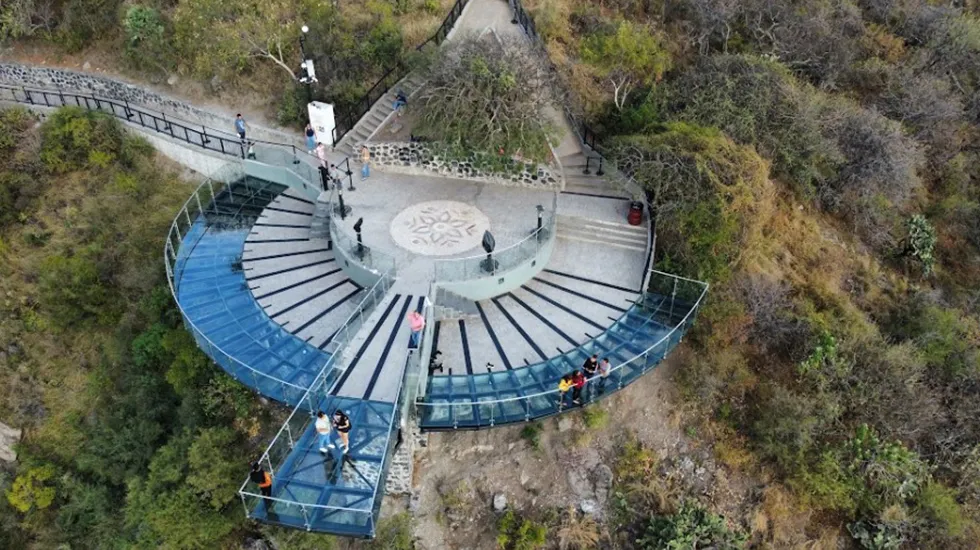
(322, 120)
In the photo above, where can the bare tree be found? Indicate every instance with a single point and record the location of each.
(486, 95)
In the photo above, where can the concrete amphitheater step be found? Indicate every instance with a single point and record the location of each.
(602, 232)
(548, 316)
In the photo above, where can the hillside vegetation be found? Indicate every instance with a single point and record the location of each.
(239, 46)
(816, 161)
(839, 352)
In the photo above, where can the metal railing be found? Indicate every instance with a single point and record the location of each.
(224, 142)
(392, 76)
(417, 375)
(200, 204)
(503, 260)
(368, 257)
(521, 406)
(297, 423)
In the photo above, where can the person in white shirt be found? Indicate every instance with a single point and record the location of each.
(323, 429)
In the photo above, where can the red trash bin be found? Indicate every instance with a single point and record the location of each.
(635, 216)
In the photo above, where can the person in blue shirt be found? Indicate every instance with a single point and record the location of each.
(240, 126)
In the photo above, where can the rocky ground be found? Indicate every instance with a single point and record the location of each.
(463, 480)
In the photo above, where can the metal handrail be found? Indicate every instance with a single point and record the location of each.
(169, 250)
(547, 229)
(614, 369)
(369, 257)
(383, 283)
(365, 102)
(196, 134)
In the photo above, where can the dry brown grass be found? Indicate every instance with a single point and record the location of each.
(578, 532)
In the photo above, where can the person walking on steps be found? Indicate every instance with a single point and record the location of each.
(341, 422)
(323, 431)
(321, 154)
(240, 126)
(401, 100)
(415, 322)
(310, 139)
(263, 479)
(564, 385)
(578, 382)
(365, 162)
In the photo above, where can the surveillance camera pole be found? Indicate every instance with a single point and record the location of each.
(306, 77)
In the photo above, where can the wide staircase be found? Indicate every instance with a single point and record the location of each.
(218, 307)
(529, 339)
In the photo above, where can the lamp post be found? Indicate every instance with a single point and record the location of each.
(489, 243)
(539, 231)
(309, 74)
(360, 243)
(341, 208)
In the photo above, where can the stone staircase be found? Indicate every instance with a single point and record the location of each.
(376, 117)
(577, 182)
(449, 305)
(620, 235)
(320, 223)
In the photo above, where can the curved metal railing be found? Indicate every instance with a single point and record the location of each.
(505, 259)
(296, 424)
(195, 206)
(368, 257)
(643, 359)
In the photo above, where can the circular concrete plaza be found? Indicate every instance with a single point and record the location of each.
(439, 228)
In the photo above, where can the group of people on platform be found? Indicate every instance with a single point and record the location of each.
(577, 380)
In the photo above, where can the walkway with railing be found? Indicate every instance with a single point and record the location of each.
(635, 343)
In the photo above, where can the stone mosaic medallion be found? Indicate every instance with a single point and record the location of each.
(439, 228)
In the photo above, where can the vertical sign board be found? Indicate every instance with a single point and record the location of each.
(322, 120)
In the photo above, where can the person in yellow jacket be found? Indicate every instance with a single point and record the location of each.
(564, 385)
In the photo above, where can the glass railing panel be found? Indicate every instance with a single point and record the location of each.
(438, 386)
(512, 408)
(503, 381)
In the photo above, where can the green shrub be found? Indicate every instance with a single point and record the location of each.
(74, 138)
(938, 504)
(531, 432)
(691, 527)
(147, 39)
(709, 194)
(33, 489)
(215, 475)
(595, 417)
(875, 536)
(72, 291)
(920, 242)
(756, 101)
(394, 533)
(518, 533)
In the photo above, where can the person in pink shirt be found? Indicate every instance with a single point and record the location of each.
(321, 153)
(416, 322)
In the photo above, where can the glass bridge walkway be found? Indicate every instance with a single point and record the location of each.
(337, 493)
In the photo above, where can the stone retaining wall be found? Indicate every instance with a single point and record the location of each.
(52, 78)
(418, 159)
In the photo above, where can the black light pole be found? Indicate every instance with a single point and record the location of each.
(360, 243)
(341, 208)
(308, 77)
(489, 243)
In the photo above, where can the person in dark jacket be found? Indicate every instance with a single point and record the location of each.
(261, 478)
(578, 382)
(341, 423)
